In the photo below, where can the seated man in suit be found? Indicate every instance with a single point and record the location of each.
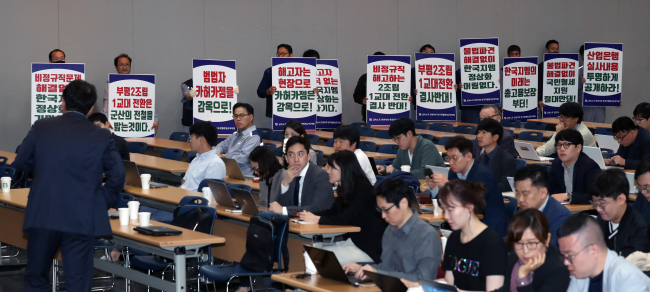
(500, 163)
(346, 137)
(573, 171)
(531, 191)
(305, 186)
(570, 119)
(414, 150)
(635, 143)
(625, 229)
(641, 115)
(121, 146)
(507, 140)
(240, 144)
(207, 164)
(463, 166)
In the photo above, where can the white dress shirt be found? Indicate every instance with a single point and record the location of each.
(206, 165)
(284, 189)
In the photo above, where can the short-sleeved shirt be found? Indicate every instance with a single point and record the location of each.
(471, 262)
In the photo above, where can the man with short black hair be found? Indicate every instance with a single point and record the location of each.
(207, 164)
(305, 186)
(463, 166)
(641, 115)
(531, 191)
(573, 171)
(311, 53)
(359, 94)
(552, 47)
(625, 229)
(411, 248)
(642, 183)
(414, 150)
(500, 163)
(634, 143)
(121, 146)
(491, 111)
(592, 265)
(514, 51)
(570, 119)
(56, 56)
(346, 137)
(266, 89)
(239, 145)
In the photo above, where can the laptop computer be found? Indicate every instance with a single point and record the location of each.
(433, 286)
(527, 151)
(608, 142)
(245, 200)
(630, 180)
(328, 266)
(596, 155)
(373, 165)
(221, 195)
(158, 231)
(385, 282)
(233, 170)
(133, 176)
(511, 182)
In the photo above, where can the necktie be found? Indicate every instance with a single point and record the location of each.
(296, 191)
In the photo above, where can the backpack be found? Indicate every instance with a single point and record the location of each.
(263, 230)
(193, 218)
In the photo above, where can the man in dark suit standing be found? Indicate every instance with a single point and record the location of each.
(305, 187)
(463, 166)
(500, 163)
(68, 205)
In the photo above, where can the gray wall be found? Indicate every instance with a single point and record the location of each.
(164, 36)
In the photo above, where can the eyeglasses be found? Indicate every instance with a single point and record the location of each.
(123, 65)
(529, 245)
(239, 116)
(490, 117)
(455, 157)
(282, 54)
(562, 118)
(571, 257)
(600, 204)
(380, 210)
(299, 154)
(563, 145)
(255, 168)
(621, 138)
(397, 138)
(645, 189)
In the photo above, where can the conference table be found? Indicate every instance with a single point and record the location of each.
(317, 283)
(555, 121)
(179, 248)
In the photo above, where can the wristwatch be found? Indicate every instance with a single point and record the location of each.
(568, 196)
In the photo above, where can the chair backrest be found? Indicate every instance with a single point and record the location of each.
(3, 161)
(281, 234)
(388, 148)
(427, 136)
(604, 131)
(138, 147)
(313, 139)
(442, 127)
(535, 126)
(173, 154)
(204, 183)
(360, 125)
(7, 171)
(383, 134)
(277, 136)
(421, 125)
(191, 156)
(265, 133)
(465, 129)
(198, 218)
(193, 200)
(319, 156)
(511, 123)
(366, 132)
(278, 151)
(531, 136)
(271, 146)
(330, 143)
(242, 187)
(123, 200)
(180, 136)
(521, 163)
(443, 140)
(367, 146)
(511, 206)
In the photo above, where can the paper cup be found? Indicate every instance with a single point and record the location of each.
(6, 184)
(143, 218)
(145, 178)
(406, 168)
(207, 194)
(134, 208)
(124, 216)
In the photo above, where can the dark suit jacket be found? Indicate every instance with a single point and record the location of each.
(556, 214)
(507, 143)
(503, 166)
(551, 276)
(265, 84)
(68, 156)
(122, 147)
(583, 173)
(494, 214)
(362, 213)
(632, 233)
(317, 193)
(636, 151)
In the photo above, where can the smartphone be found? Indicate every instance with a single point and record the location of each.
(428, 172)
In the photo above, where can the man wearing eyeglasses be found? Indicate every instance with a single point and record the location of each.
(573, 171)
(634, 143)
(266, 89)
(570, 118)
(239, 145)
(642, 115)
(593, 267)
(625, 229)
(642, 183)
(122, 65)
(507, 141)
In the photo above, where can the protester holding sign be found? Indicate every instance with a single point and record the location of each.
(266, 89)
(560, 82)
(435, 87)
(477, 76)
(57, 56)
(552, 47)
(360, 95)
(388, 88)
(520, 88)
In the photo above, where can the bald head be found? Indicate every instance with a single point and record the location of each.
(586, 230)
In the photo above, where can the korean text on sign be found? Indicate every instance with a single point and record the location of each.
(520, 88)
(560, 82)
(329, 111)
(479, 62)
(48, 82)
(603, 72)
(388, 88)
(295, 79)
(434, 81)
(214, 82)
